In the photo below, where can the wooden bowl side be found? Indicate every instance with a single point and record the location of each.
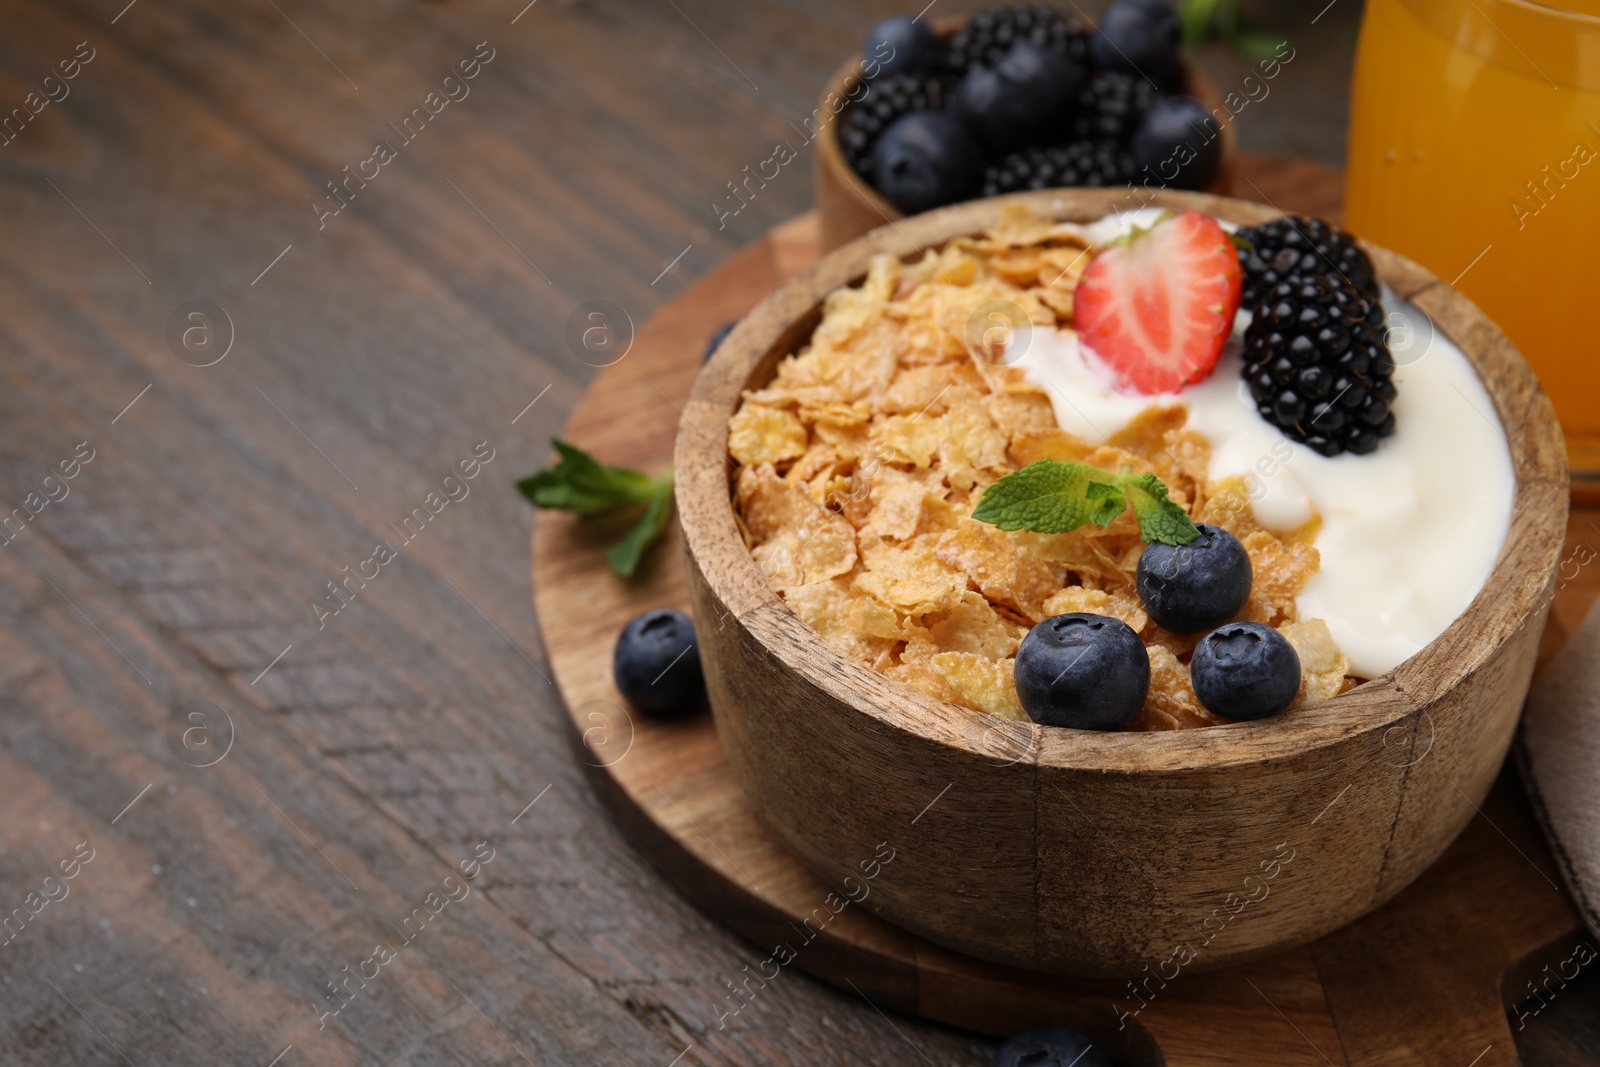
(850, 207)
(1100, 853)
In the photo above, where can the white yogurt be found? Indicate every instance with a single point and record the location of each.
(1409, 533)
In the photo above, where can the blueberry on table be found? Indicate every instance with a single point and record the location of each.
(1084, 671)
(1245, 670)
(717, 339)
(1179, 144)
(1139, 37)
(903, 45)
(1050, 1046)
(1021, 100)
(656, 664)
(923, 161)
(1194, 587)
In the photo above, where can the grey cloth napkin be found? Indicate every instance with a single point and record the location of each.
(1559, 754)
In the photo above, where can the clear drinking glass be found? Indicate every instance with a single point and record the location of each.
(1475, 150)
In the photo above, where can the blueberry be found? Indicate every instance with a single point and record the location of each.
(717, 339)
(656, 664)
(1089, 672)
(923, 161)
(902, 46)
(1020, 100)
(1141, 38)
(1050, 1046)
(1245, 670)
(1179, 144)
(1193, 587)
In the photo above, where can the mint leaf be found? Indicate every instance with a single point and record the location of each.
(624, 556)
(1051, 497)
(1106, 502)
(581, 483)
(1160, 519)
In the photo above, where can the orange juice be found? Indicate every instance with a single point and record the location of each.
(1475, 150)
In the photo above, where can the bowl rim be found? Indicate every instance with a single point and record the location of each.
(781, 324)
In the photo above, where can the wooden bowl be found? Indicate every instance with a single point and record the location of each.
(849, 206)
(1106, 854)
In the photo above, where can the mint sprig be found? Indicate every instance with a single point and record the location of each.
(1052, 496)
(578, 482)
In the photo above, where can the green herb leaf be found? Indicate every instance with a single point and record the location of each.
(1051, 496)
(1258, 45)
(624, 556)
(581, 483)
(1160, 519)
(1197, 17)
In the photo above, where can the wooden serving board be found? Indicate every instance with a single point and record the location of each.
(1423, 980)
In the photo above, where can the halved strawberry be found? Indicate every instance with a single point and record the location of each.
(1158, 305)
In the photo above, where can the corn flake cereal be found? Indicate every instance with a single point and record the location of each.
(861, 461)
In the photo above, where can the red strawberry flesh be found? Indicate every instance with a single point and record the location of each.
(1158, 306)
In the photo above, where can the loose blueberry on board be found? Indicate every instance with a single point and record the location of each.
(1139, 37)
(924, 161)
(1197, 586)
(1084, 671)
(1179, 144)
(656, 664)
(903, 45)
(1020, 99)
(1245, 670)
(1050, 1046)
(717, 339)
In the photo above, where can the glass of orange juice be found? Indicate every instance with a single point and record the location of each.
(1475, 150)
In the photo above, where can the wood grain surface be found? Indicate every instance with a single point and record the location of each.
(1423, 980)
(188, 554)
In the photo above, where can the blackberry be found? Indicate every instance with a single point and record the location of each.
(1317, 366)
(1297, 247)
(988, 35)
(1094, 163)
(1111, 106)
(888, 97)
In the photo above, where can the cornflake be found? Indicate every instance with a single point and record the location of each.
(861, 461)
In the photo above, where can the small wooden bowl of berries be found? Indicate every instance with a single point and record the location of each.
(1013, 98)
(1159, 577)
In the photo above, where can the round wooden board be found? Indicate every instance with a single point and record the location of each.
(1418, 981)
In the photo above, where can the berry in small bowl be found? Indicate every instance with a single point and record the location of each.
(1048, 100)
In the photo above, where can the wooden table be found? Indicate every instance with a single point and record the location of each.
(269, 789)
